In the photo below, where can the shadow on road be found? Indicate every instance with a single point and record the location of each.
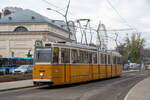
(75, 84)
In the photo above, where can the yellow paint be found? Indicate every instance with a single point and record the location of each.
(102, 71)
(108, 71)
(114, 71)
(67, 74)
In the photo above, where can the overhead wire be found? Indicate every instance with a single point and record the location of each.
(59, 8)
(92, 29)
(123, 19)
(126, 29)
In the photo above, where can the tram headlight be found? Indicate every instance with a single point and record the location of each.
(41, 74)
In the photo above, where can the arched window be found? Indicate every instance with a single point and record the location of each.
(21, 29)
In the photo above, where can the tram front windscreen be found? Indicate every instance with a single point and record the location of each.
(43, 55)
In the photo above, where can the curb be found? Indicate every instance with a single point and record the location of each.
(127, 95)
(17, 88)
(131, 90)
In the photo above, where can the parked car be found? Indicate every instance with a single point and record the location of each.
(148, 67)
(23, 69)
(1, 72)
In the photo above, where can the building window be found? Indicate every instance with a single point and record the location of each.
(20, 29)
(12, 54)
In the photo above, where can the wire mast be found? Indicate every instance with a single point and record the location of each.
(66, 18)
(102, 38)
(83, 29)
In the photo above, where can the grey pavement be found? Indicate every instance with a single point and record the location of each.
(141, 91)
(110, 89)
(24, 84)
(15, 85)
(20, 84)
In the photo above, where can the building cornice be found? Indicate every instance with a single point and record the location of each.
(35, 33)
(33, 23)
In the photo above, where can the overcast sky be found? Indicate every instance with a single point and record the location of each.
(135, 12)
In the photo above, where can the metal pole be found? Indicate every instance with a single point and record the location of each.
(67, 20)
(99, 38)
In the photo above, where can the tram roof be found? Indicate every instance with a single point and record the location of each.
(75, 45)
(81, 46)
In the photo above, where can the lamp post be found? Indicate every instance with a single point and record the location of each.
(65, 16)
(128, 52)
(141, 58)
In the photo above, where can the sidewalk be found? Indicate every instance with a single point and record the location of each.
(141, 91)
(15, 85)
(125, 71)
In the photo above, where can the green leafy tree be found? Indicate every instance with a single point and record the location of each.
(132, 48)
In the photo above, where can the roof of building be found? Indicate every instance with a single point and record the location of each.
(29, 16)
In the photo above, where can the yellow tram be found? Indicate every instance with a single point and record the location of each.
(66, 63)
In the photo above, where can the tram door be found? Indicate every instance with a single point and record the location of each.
(91, 66)
(65, 60)
(67, 74)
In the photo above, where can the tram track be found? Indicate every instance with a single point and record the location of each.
(109, 89)
(115, 91)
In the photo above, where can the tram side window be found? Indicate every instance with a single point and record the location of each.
(55, 55)
(102, 59)
(114, 60)
(109, 59)
(118, 60)
(90, 58)
(99, 60)
(105, 59)
(84, 57)
(74, 56)
(81, 56)
(65, 55)
(95, 58)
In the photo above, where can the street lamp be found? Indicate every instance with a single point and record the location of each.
(56, 11)
(141, 58)
(65, 16)
(128, 51)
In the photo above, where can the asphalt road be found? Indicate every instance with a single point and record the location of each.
(110, 89)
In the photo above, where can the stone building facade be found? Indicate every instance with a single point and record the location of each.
(20, 30)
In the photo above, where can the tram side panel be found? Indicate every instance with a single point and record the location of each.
(67, 73)
(95, 72)
(102, 71)
(113, 71)
(90, 72)
(117, 70)
(58, 74)
(79, 73)
(120, 70)
(108, 71)
(50, 73)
